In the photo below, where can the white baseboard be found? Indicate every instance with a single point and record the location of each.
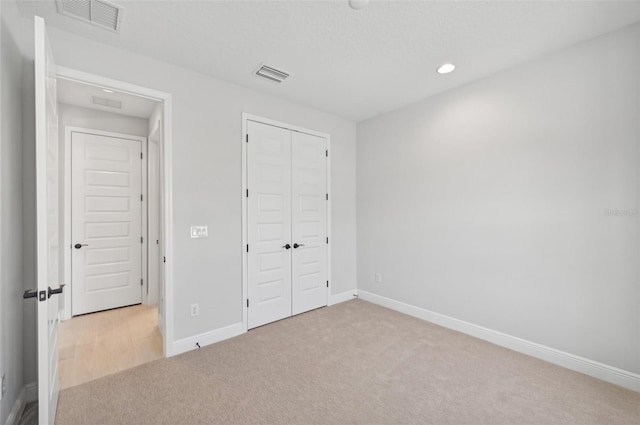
(207, 338)
(342, 297)
(598, 370)
(31, 392)
(28, 393)
(18, 407)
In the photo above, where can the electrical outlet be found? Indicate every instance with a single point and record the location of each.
(4, 386)
(195, 310)
(377, 277)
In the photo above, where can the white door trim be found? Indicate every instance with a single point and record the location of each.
(245, 271)
(167, 181)
(150, 291)
(67, 240)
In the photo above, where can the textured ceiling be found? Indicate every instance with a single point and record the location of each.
(357, 64)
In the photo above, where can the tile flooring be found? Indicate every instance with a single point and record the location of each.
(99, 344)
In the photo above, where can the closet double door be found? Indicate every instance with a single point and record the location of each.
(286, 223)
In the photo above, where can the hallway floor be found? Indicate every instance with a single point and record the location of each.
(99, 344)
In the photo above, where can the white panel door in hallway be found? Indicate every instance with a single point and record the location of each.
(106, 216)
(309, 222)
(269, 227)
(286, 223)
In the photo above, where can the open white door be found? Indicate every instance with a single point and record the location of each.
(46, 225)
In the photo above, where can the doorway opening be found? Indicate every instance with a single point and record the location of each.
(113, 219)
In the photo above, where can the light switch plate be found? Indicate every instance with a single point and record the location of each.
(199, 232)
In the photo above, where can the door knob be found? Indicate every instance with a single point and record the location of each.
(79, 245)
(30, 293)
(296, 245)
(39, 296)
(287, 246)
(55, 291)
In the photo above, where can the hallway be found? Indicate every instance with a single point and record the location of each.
(99, 344)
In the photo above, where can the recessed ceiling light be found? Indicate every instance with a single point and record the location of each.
(446, 68)
(108, 91)
(358, 4)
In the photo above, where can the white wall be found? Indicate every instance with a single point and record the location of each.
(30, 346)
(207, 180)
(154, 119)
(76, 116)
(11, 276)
(488, 203)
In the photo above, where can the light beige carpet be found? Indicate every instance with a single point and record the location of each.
(353, 363)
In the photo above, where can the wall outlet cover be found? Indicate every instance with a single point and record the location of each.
(199, 232)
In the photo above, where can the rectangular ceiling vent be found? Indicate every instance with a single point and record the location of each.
(97, 12)
(109, 103)
(271, 74)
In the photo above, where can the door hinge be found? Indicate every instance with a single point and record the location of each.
(247, 247)
(247, 302)
(140, 197)
(140, 155)
(327, 151)
(141, 284)
(327, 196)
(164, 259)
(141, 239)
(327, 239)
(247, 138)
(247, 193)
(327, 283)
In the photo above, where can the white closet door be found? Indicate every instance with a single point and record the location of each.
(309, 222)
(106, 175)
(269, 223)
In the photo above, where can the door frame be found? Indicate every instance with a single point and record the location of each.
(246, 117)
(67, 239)
(151, 295)
(166, 141)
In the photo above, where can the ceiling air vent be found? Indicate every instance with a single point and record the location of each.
(97, 12)
(271, 74)
(103, 101)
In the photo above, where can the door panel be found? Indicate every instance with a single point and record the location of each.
(106, 176)
(269, 226)
(309, 222)
(47, 230)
